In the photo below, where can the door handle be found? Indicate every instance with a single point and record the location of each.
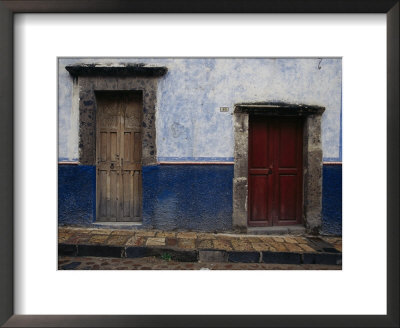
(112, 166)
(270, 170)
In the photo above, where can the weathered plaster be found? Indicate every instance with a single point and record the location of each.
(189, 123)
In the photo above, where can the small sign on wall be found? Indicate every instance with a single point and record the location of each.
(224, 109)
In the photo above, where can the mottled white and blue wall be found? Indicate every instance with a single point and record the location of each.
(191, 128)
(190, 125)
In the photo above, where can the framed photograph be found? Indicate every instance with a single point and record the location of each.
(290, 69)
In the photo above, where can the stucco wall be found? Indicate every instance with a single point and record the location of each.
(166, 204)
(175, 197)
(188, 122)
(190, 127)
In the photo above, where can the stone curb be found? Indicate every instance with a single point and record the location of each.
(206, 255)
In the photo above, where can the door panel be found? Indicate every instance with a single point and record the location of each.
(119, 116)
(287, 197)
(275, 171)
(259, 192)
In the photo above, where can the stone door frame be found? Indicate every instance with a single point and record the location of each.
(88, 79)
(312, 159)
(91, 78)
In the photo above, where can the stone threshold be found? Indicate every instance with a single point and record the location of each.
(202, 256)
(297, 230)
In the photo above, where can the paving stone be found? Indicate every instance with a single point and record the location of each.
(280, 247)
(64, 230)
(117, 240)
(268, 240)
(168, 234)
(290, 240)
(97, 239)
(261, 247)
(62, 237)
(101, 231)
(205, 244)
(78, 239)
(306, 248)
(250, 239)
(79, 230)
(278, 239)
(224, 238)
(202, 235)
(187, 243)
(339, 248)
(186, 235)
(222, 244)
(122, 233)
(301, 240)
(294, 248)
(240, 245)
(155, 242)
(171, 242)
(136, 241)
(145, 233)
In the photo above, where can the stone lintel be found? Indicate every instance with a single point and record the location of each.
(119, 70)
(278, 109)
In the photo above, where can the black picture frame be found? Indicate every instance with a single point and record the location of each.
(7, 10)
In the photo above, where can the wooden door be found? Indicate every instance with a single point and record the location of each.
(275, 171)
(118, 153)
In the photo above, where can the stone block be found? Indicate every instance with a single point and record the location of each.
(135, 252)
(322, 258)
(155, 242)
(205, 244)
(213, 256)
(67, 250)
(281, 257)
(100, 251)
(244, 257)
(186, 235)
(187, 243)
(222, 245)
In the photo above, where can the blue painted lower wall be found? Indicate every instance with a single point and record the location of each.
(76, 194)
(189, 197)
(332, 200)
(181, 197)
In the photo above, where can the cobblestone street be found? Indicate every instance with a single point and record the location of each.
(152, 263)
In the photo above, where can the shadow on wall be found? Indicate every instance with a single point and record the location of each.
(332, 200)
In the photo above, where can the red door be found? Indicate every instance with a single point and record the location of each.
(275, 171)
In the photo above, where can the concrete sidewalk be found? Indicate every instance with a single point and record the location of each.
(199, 247)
